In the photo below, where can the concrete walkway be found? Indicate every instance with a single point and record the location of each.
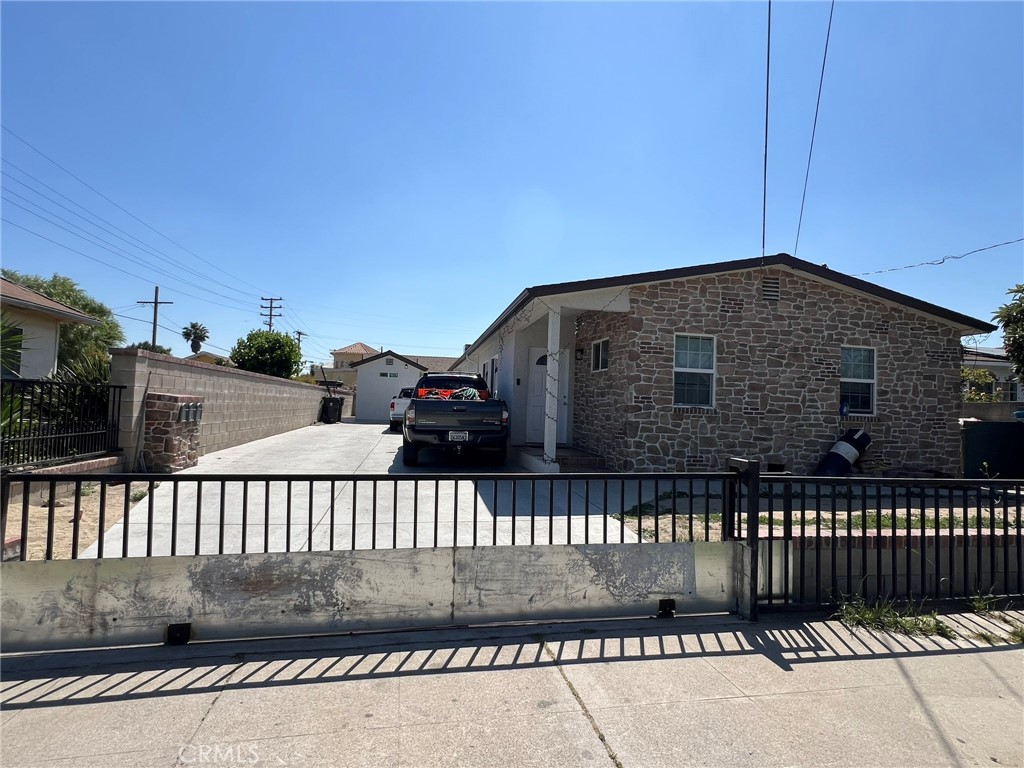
(336, 515)
(711, 691)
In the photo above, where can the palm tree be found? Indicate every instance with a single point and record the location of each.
(196, 334)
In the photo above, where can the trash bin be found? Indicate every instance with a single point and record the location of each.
(330, 409)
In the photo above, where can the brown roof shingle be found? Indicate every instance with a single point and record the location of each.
(14, 295)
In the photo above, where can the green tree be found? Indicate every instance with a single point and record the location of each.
(80, 345)
(976, 385)
(195, 334)
(12, 340)
(269, 352)
(1011, 317)
(149, 347)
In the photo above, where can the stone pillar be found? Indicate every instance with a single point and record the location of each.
(130, 369)
(171, 441)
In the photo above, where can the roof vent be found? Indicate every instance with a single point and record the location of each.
(770, 289)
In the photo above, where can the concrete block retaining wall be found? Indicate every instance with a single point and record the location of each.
(238, 406)
(89, 603)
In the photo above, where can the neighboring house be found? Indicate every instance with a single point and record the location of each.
(1006, 388)
(39, 319)
(209, 357)
(341, 372)
(770, 359)
(381, 376)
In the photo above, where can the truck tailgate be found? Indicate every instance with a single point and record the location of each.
(458, 414)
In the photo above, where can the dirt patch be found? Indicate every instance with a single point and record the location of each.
(676, 528)
(64, 519)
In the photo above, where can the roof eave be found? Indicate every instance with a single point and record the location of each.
(64, 317)
(960, 321)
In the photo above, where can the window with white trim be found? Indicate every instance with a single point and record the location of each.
(389, 374)
(599, 355)
(857, 380)
(693, 371)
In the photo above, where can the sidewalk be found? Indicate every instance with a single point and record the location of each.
(701, 691)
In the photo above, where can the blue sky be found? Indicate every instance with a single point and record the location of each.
(398, 173)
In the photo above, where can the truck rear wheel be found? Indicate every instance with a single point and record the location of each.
(410, 455)
(500, 456)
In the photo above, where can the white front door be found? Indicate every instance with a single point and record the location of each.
(535, 393)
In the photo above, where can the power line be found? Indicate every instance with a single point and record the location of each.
(73, 213)
(767, 84)
(104, 263)
(124, 210)
(943, 260)
(168, 328)
(113, 249)
(141, 244)
(814, 127)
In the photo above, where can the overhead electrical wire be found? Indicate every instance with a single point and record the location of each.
(120, 252)
(767, 84)
(943, 260)
(124, 210)
(104, 263)
(145, 248)
(814, 128)
(10, 191)
(116, 250)
(140, 244)
(149, 322)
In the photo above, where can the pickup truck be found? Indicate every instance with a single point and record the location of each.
(397, 408)
(455, 412)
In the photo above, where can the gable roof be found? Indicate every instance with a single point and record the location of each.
(356, 349)
(203, 355)
(389, 353)
(14, 295)
(424, 363)
(783, 260)
(995, 354)
(435, 363)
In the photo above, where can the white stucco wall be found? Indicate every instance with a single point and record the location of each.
(39, 346)
(375, 391)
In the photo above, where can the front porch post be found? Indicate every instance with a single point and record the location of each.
(551, 386)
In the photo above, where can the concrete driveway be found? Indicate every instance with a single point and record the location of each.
(402, 510)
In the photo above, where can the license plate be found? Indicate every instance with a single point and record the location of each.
(458, 437)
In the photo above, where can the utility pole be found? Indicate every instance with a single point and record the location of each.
(156, 308)
(298, 337)
(270, 315)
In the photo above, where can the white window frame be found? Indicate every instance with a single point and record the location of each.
(872, 381)
(712, 371)
(389, 374)
(595, 355)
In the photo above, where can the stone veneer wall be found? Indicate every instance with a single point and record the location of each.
(238, 406)
(777, 377)
(170, 444)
